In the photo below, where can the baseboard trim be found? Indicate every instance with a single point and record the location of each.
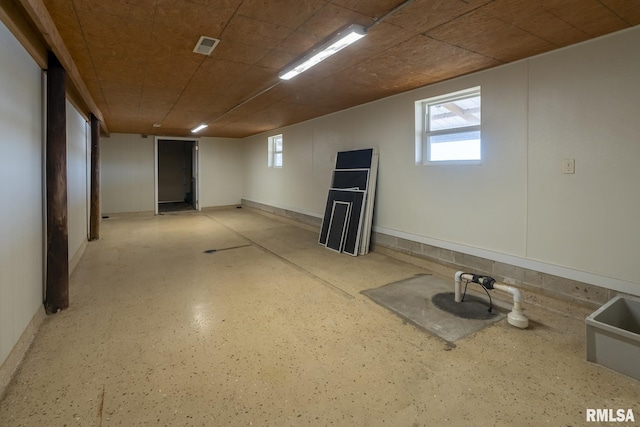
(73, 262)
(14, 360)
(577, 287)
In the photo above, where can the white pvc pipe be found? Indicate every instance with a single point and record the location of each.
(517, 295)
(458, 290)
(515, 317)
(460, 275)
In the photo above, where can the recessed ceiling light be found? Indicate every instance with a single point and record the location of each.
(156, 125)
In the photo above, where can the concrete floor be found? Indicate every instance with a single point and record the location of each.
(274, 331)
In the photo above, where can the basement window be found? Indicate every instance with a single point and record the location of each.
(448, 128)
(275, 151)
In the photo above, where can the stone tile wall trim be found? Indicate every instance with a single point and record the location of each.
(546, 284)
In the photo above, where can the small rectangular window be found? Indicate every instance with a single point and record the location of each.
(275, 151)
(449, 128)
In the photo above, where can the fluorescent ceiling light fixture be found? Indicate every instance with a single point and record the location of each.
(198, 128)
(336, 43)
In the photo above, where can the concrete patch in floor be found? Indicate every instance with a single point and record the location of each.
(413, 300)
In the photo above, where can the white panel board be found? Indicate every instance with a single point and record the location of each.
(21, 231)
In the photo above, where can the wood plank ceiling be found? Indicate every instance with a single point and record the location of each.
(136, 59)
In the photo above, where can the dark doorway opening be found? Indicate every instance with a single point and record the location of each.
(176, 177)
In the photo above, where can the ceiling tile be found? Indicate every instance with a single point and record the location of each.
(288, 13)
(172, 72)
(239, 52)
(254, 32)
(297, 43)
(219, 74)
(590, 16)
(332, 94)
(382, 37)
(424, 15)
(93, 86)
(160, 93)
(207, 18)
(63, 13)
(277, 115)
(102, 31)
(164, 42)
(535, 19)
(368, 7)
(254, 81)
(124, 107)
(139, 10)
(331, 19)
(628, 10)
(114, 70)
(184, 119)
(489, 36)
(136, 59)
(418, 62)
(276, 60)
(114, 89)
(262, 101)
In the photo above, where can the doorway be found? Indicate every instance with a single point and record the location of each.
(176, 175)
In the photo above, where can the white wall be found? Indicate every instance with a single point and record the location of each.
(580, 102)
(424, 200)
(301, 183)
(221, 171)
(78, 149)
(585, 105)
(21, 212)
(127, 166)
(127, 175)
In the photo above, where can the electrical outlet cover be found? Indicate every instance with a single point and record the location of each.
(568, 166)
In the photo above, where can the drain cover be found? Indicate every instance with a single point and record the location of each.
(471, 308)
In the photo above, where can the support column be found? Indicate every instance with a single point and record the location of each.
(57, 293)
(95, 215)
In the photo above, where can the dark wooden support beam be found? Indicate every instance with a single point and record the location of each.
(57, 294)
(95, 215)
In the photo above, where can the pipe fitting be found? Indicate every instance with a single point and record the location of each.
(515, 317)
(458, 286)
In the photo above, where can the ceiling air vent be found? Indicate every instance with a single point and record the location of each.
(206, 45)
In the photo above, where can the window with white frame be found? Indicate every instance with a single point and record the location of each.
(275, 151)
(448, 128)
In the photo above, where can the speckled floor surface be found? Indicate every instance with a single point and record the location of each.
(273, 331)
